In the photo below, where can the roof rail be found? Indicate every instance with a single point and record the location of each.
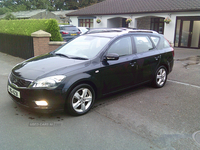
(145, 31)
(127, 30)
(100, 30)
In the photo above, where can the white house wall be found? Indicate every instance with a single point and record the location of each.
(74, 20)
(106, 23)
(169, 29)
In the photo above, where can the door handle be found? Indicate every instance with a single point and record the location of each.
(157, 57)
(132, 64)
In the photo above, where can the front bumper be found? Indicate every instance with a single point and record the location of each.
(54, 98)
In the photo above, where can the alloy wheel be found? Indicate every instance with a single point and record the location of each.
(82, 100)
(161, 77)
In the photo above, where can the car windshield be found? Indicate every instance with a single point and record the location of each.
(83, 47)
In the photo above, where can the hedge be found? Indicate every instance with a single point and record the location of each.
(28, 26)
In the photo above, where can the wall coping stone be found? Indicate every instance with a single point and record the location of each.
(57, 42)
(40, 33)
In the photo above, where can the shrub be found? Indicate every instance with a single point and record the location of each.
(28, 26)
(53, 28)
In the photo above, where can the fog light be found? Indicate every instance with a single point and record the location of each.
(41, 103)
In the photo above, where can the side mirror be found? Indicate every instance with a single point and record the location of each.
(112, 56)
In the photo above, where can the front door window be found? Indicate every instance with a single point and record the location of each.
(178, 24)
(185, 33)
(195, 34)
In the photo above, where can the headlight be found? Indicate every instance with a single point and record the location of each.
(49, 82)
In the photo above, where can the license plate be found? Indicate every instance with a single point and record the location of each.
(73, 34)
(14, 92)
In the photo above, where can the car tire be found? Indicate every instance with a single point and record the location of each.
(160, 77)
(80, 100)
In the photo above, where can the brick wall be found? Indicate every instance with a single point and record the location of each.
(41, 43)
(54, 45)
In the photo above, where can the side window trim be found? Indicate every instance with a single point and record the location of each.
(154, 45)
(133, 45)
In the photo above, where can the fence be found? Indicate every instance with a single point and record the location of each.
(17, 45)
(28, 46)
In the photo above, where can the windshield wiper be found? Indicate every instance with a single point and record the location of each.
(80, 58)
(151, 48)
(59, 54)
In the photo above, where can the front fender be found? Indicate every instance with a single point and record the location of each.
(73, 81)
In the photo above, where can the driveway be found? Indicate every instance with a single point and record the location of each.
(138, 118)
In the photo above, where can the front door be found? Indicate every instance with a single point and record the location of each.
(119, 74)
(188, 32)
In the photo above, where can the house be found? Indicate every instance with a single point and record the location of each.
(183, 30)
(33, 14)
(60, 16)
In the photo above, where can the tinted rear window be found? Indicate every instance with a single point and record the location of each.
(69, 28)
(166, 44)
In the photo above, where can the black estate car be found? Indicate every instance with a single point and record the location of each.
(89, 67)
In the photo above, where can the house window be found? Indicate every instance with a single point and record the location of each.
(86, 23)
(157, 24)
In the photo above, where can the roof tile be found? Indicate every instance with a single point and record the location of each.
(137, 6)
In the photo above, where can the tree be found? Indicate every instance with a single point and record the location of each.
(4, 10)
(21, 5)
(9, 16)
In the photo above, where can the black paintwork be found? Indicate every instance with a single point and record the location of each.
(104, 75)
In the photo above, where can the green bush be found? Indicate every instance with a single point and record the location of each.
(28, 26)
(53, 28)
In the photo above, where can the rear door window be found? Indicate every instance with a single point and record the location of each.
(143, 43)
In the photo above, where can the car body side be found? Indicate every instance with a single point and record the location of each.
(93, 72)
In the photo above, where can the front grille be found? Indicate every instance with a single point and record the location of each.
(20, 100)
(19, 82)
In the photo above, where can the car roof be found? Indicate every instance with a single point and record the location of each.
(113, 32)
(106, 34)
(67, 26)
(82, 27)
